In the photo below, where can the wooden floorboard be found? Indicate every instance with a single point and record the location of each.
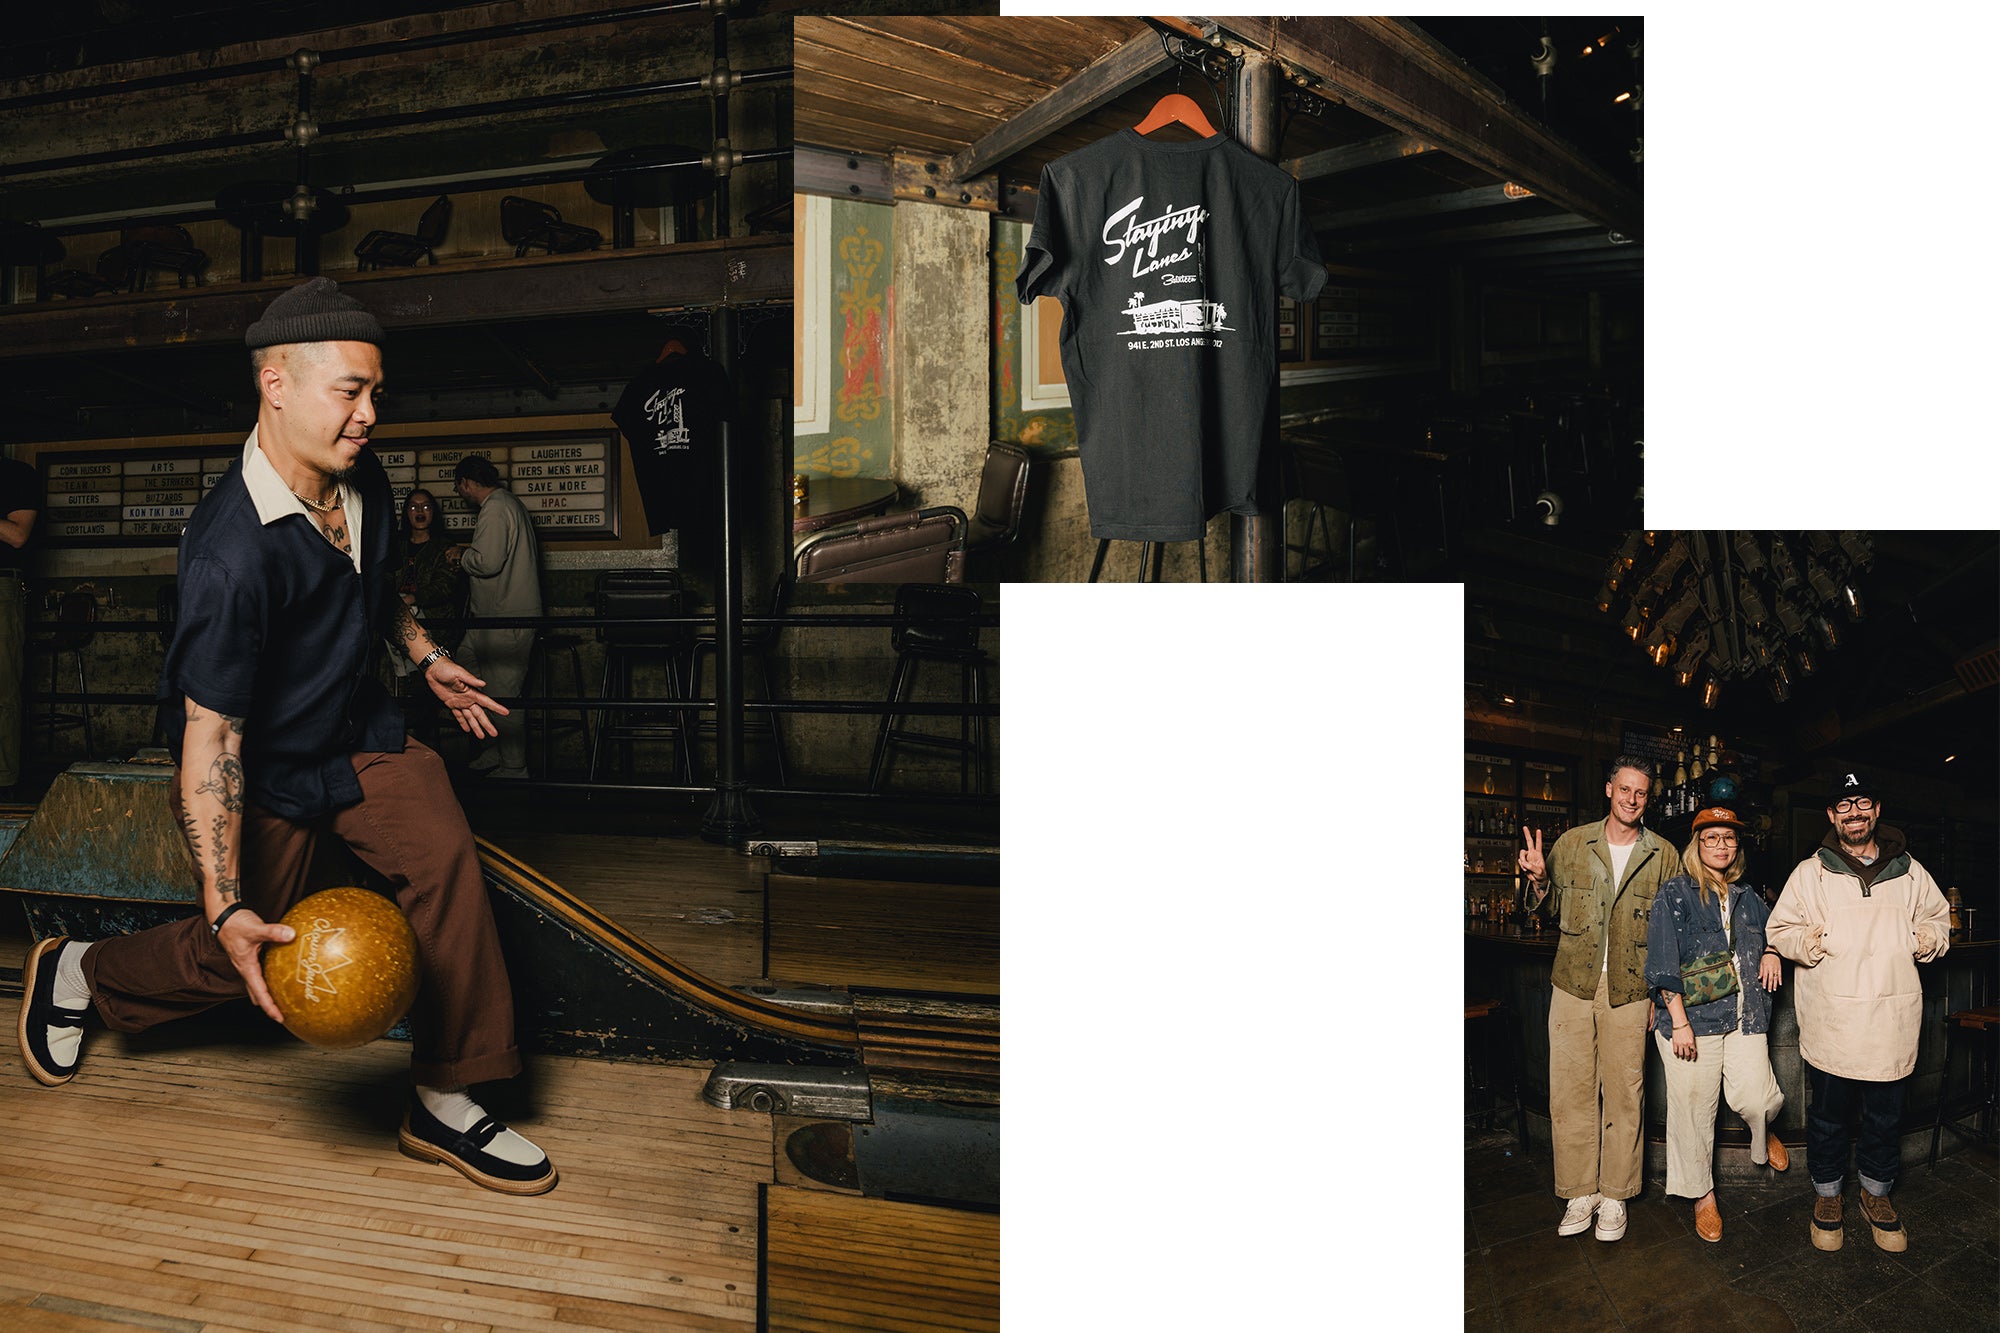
(839, 1263)
(238, 1183)
(889, 934)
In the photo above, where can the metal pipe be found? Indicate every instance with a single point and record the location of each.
(729, 818)
(514, 180)
(364, 124)
(1257, 543)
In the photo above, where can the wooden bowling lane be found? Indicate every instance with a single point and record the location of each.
(699, 904)
(887, 934)
(216, 1177)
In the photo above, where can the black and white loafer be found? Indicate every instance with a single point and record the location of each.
(40, 1012)
(428, 1139)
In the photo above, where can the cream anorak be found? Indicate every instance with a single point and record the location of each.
(1859, 999)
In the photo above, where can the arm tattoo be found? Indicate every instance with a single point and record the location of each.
(221, 847)
(235, 723)
(228, 890)
(225, 782)
(193, 832)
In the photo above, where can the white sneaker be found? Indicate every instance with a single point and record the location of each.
(1577, 1216)
(1611, 1219)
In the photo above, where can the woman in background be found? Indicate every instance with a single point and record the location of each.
(431, 586)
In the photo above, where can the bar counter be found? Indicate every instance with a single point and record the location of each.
(1503, 962)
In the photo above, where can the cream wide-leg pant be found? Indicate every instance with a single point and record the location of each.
(1736, 1065)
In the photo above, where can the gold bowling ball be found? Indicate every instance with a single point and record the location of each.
(349, 973)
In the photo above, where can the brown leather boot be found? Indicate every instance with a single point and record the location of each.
(1827, 1232)
(1881, 1215)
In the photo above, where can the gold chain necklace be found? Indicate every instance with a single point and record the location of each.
(316, 506)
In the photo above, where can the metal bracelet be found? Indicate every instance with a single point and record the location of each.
(431, 657)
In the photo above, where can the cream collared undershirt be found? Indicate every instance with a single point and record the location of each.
(274, 499)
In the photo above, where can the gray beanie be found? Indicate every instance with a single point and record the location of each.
(313, 312)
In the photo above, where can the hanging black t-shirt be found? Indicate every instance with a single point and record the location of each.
(1167, 258)
(20, 488)
(671, 416)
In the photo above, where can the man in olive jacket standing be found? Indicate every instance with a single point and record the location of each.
(1605, 877)
(1857, 916)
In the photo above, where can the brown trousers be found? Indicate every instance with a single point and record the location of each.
(409, 827)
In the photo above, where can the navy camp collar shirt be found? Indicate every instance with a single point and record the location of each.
(277, 627)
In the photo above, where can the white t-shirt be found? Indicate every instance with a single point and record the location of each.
(1621, 856)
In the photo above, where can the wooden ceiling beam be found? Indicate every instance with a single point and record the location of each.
(1104, 80)
(1354, 156)
(1429, 205)
(1390, 70)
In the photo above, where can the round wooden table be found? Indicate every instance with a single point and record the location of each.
(831, 500)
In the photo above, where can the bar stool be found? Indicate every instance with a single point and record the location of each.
(1150, 554)
(76, 609)
(1985, 1024)
(936, 622)
(545, 645)
(626, 593)
(1489, 1029)
(757, 647)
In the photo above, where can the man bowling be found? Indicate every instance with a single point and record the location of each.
(287, 587)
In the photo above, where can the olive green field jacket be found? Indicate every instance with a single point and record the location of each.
(1583, 903)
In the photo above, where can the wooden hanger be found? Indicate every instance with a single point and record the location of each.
(1176, 107)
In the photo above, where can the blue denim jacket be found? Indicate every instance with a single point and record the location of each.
(1687, 924)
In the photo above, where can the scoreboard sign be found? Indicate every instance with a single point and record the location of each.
(566, 480)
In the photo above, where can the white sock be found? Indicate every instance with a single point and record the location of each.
(71, 992)
(453, 1108)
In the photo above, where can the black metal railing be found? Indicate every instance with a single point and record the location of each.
(544, 705)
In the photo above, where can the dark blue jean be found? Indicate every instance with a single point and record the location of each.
(1835, 1100)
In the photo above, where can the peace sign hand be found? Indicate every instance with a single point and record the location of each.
(1530, 858)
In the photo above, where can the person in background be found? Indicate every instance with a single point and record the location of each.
(1604, 876)
(504, 561)
(1707, 961)
(431, 585)
(1857, 916)
(20, 502)
(427, 581)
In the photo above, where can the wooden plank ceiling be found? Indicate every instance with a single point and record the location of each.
(935, 86)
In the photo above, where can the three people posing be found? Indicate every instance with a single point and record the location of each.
(1637, 922)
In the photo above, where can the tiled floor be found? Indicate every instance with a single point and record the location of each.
(1763, 1274)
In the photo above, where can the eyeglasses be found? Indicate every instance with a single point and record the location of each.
(1718, 839)
(1862, 803)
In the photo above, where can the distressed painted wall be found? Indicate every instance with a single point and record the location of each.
(942, 407)
(1043, 427)
(846, 429)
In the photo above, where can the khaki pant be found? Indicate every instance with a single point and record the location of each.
(13, 643)
(1732, 1064)
(501, 658)
(1597, 1062)
(409, 827)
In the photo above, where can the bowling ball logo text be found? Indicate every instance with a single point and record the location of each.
(321, 956)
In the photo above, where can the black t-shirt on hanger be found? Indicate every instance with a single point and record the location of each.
(671, 416)
(1167, 258)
